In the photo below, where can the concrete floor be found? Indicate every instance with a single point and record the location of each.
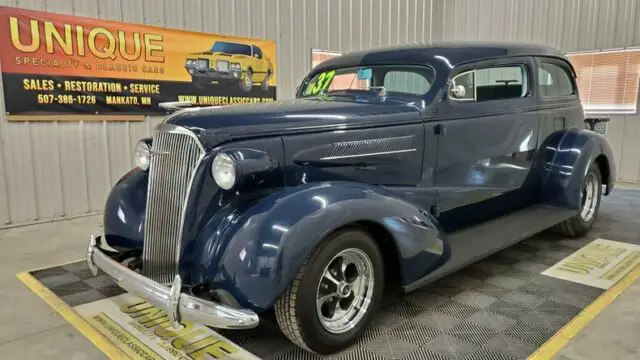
(30, 329)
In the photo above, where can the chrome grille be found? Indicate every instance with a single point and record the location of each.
(175, 155)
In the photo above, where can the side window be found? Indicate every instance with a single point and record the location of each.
(491, 83)
(554, 81)
(462, 87)
(256, 52)
(406, 82)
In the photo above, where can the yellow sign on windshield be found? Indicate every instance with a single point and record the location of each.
(320, 83)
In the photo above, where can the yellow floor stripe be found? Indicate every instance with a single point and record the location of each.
(571, 329)
(72, 317)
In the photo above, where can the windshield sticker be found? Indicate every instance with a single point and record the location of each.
(364, 73)
(322, 83)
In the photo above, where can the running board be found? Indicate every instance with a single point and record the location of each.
(479, 241)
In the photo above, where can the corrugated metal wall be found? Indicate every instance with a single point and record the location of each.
(53, 170)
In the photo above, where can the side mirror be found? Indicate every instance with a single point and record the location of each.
(458, 91)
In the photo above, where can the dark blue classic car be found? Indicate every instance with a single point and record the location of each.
(392, 167)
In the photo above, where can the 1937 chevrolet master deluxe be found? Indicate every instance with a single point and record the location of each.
(392, 166)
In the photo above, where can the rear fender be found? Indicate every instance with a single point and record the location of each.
(254, 251)
(567, 160)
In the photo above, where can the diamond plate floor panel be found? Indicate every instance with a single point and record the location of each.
(498, 308)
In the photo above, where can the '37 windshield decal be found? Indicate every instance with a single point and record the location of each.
(323, 80)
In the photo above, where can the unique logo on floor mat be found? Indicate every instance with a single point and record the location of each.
(601, 263)
(143, 331)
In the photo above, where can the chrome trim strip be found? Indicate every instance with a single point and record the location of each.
(186, 307)
(186, 201)
(368, 154)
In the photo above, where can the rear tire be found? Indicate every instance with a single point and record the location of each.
(265, 82)
(590, 199)
(335, 294)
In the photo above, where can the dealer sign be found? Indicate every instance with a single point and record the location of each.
(55, 63)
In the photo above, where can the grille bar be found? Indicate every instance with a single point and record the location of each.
(175, 154)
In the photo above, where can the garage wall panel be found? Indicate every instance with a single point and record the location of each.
(555, 25)
(629, 166)
(85, 7)
(626, 15)
(607, 17)
(209, 17)
(472, 28)
(298, 17)
(192, 14)
(97, 164)
(74, 182)
(111, 10)
(435, 19)
(540, 21)
(615, 136)
(588, 24)
(354, 25)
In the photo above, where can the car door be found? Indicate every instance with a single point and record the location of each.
(488, 131)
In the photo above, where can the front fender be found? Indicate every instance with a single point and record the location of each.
(124, 211)
(569, 155)
(253, 251)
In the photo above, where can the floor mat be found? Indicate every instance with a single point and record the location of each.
(499, 308)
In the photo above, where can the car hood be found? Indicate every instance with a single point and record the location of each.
(209, 53)
(292, 116)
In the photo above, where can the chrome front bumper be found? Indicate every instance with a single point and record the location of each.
(179, 306)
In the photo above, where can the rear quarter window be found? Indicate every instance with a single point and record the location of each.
(554, 80)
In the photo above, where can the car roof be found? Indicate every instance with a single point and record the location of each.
(451, 53)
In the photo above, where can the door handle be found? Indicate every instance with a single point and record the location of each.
(559, 122)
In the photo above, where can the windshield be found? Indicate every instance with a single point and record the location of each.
(231, 48)
(399, 79)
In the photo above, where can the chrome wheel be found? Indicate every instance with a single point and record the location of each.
(248, 79)
(345, 291)
(589, 198)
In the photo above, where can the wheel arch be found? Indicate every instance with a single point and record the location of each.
(259, 252)
(567, 159)
(387, 244)
(605, 171)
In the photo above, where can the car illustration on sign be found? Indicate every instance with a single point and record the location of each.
(225, 61)
(392, 168)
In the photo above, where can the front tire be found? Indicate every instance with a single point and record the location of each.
(335, 294)
(246, 83)
(590, 199)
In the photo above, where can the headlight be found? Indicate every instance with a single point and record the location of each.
(224, 171)
(235, 66)
(142, 155)
(203, 64)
